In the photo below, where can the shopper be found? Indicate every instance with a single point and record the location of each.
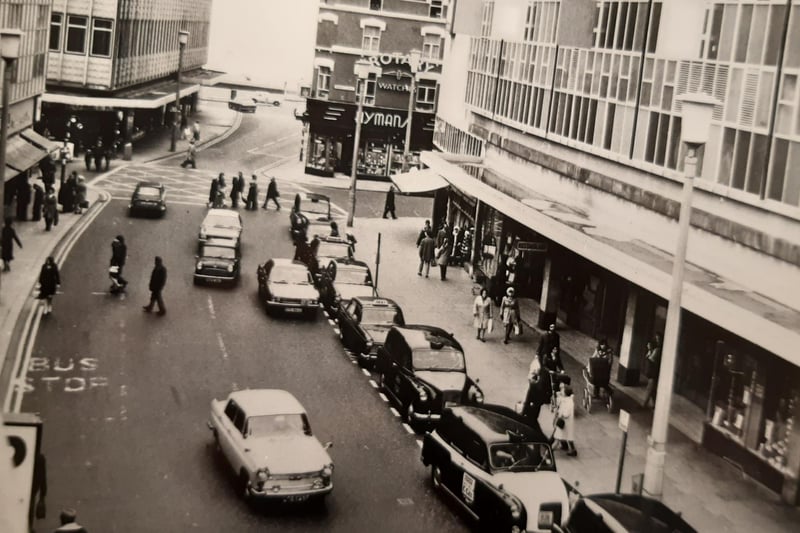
(427, 228)
(7, 239)
(49, 280)
(565, 420)
(252, 194)
(549, 340)
(38, 202)
(191, 155)
(158, 279)
(426, 254)
(388, 206)
(272, 194)
(482, 311)
(50, 209)
(509, 312)
(652, 366)
(119, 254)
(443, 257)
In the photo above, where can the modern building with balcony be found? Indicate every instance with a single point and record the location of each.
(112, 66)
(383, 32)
(559, 140)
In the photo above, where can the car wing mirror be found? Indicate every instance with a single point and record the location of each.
(328, 444)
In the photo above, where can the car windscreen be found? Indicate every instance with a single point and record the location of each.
(219, 251)
(352, 276)
(380, 316)
(277, 425)
(443, 359)
(149, 193)
(221, 221)
(289, 275)
(333, 249)
(521, 456)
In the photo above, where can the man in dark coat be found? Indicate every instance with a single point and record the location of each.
(252, 195)
(158, 279)
(38, 202)
(423, 231)
(442, 235)
(119, 254)
(67, 193)
(388, 207)
(50, 209)
(49, 280)
(426, 254)
(551, 339)
(7, 239)
(272, 194)
(237, 186)
(23, 198)
(191, 154)
(212, 193)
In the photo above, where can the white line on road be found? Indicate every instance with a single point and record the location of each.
(276, 141)
(336, 330)
(366, 372)
(222, 346)
(394, 412)
(408, 428)
(211, 309)
(419, 443)
(23, 359)
(383, 397)
(331, 322)
(374, 385)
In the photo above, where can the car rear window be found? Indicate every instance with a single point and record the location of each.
(333, 249)
(289, 275)
(380, 315)
(445, 359)
(219, 251)
(353, 277)
(153, 193)
(521, 456)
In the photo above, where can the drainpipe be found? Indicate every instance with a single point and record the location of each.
(641, 81)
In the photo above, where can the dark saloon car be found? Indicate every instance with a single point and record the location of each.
(364, 322)
(422, 369)
(286, 285)
(342, 280)
(498, 468)
(310, 209)
(218, 262)
(148, 198)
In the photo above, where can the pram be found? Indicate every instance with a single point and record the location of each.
(597, 380)
(556, 379)
(118, 283)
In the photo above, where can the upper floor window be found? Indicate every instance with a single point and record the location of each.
(41, 15)
(437, 10)
(431, 46)
(323, 81)
(426, 96)
(371, 39)
(76, 34)
(375, 4)
(101, 37)
(14, 15)
(56, 22)
(487, 14)
(370, 89)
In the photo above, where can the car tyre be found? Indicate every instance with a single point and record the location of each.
(436, 477)
(242, 486)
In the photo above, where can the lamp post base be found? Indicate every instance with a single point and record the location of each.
(653, 485)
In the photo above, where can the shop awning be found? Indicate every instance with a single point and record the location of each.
(40, 141)
(418, 181)
(150, 97)
(22, 155)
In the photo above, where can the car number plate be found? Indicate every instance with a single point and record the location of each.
(214, 280)
(293, 310)
(468, 488)
(297, 498)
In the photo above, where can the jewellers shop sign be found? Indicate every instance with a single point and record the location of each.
(386, 60)
(384, 119)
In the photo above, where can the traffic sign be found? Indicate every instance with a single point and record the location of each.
(624, 417)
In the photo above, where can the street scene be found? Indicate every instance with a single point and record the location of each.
(435, 286)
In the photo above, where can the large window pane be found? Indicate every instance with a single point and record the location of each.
(101, 37)
(56, 21)
(740, 157)
(76, 34)
(758, 162)
(778, 170)
(773, 34)
(756, 46)
(743, 35)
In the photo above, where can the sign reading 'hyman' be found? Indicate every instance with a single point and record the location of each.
(379, 118)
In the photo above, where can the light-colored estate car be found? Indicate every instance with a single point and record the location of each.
(223, 223)
(265, 436)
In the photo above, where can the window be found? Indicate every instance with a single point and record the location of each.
(323, 81)
(370, 90)
(437, 11)
(14, 15)
(56, 21)
(101, 37)
(487, 14)
(76, 34)
(38, 65)
(426, 97)
(375, 4)
(431, 46)
(371, 40)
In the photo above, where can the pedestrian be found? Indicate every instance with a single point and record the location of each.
(442, 235)
(426, 254)
(564, 420)
(23, 198)
(158, 279)
(50, 209)
(38, 202)
(509, 312)
(69, 522)
(235, 191)
(423, 231)
(196, 131)
(652, 366)
(550, 339)
(119, 254)
(552, 361)
(252, 194)
(538, 392)
(68, 196)
(212, 193)
(388, 206)
(334, 229)
(272, 194)
(443, 257)
(219, 200)
(9, 235)
(80, 195)
(49, 280)
(191, 155)
(482, 311)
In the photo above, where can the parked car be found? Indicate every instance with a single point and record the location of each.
(266, 438)
(422, 369)
(309, 209)
(218, 262)
(333, 248)
(222, 223)
(498, 468)
(242, 105)
(148, 198)
(286, 285)
(363, 324)
(341, 281)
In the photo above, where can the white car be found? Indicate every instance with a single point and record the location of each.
(266, 98)
(221, 223)
(265, 436)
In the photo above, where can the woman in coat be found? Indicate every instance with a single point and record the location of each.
(509, 312)
(49, 280)
(252, 195)
(50, 209)
(565, 431)
(7, 239)
(80, 195)
(482, 311)
(443, 257)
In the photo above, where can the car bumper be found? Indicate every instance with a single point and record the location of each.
(292, 308)
(423, 417)
(288, 494)
(148, 208)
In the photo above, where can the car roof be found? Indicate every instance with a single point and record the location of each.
(150, 184)
(222, 212)
(220, 241)
(257, 402)
(329, 238)
(492, 423)
(376, 301)
(345, 263)
(421, 336)
(285, 262)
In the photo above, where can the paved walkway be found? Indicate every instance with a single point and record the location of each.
(710, 493)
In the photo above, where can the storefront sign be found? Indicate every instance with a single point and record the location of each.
(400, 87)
(379, 118)
(383, 60)
(531, 246)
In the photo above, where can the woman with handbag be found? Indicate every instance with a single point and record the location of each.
(509, 312)
(49, 280)
(564, 431)
(482, 311)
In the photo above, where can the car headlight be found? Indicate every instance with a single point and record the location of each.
(202, 233)
(478, 396)
(327, 471)
(516, 510)
(199, 265)
(230, 268)
(262, 475)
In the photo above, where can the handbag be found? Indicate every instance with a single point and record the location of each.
(490, 325)
(560, 423)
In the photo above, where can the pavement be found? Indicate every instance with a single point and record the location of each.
(711, 494)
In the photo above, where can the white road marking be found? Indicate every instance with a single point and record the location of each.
(383, 397)
(394, 412)
(331, 322)
(408, 428)
(222, 346)
(353, 361)
(419, 443)
(366, 372)
(337, 331)
(22, 361)
(374, 385)
(211, 309)
(276, 141)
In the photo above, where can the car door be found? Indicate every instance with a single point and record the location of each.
(349, 315)
(226, 431)
(402, 378)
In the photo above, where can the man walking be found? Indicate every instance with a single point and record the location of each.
(272, 194)
(423, 231)
(236, 189)
(191, 152)
(388, 207)
(158, 278)
(426, 254)
(551, 339)
(252, 195)
(119, 253)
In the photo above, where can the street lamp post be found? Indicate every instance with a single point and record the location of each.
(696, 123)
(361, 70)
(183, 38)
(414, 60)
(9, 51)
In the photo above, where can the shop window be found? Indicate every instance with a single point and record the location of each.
(323, 81)
(431, 46)
(101, 37)
(371, 39)
(56, 22)
(76, 34)
(426, 97)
